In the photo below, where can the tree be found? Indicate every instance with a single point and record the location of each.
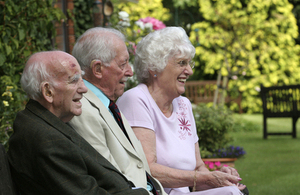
(251, 42)
(145, 8)
(296, 12)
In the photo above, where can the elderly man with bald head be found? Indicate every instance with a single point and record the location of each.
(45, 154)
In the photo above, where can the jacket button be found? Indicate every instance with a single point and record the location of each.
(140, 165)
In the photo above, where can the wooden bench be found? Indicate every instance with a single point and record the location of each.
(280, 101)
(203, 92)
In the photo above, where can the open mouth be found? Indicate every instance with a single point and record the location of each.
(181, 80)
(123, 81)
(77, 100)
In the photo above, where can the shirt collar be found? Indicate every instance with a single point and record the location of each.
(98, 93)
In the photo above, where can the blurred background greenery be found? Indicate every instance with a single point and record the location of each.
(245, 43)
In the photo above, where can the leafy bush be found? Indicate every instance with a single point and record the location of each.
(25, 28)
(83, 19)
(213, 126)
(243, 125)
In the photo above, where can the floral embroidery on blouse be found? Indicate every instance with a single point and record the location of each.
(184, 123)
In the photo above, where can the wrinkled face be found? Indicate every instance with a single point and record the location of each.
(172, 79)
(68, 88)
(115, 75)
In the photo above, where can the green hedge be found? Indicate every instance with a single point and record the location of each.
(25, 28)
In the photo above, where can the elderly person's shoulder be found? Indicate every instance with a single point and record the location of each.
(137, 92)
(183, 99)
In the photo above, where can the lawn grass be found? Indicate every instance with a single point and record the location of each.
(271, 166)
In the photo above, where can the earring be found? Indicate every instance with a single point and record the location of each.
(155, 75)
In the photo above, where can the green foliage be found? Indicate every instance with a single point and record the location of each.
(83, 16)
(25, 27)
(145, 8)
(213, 126)
(242, 125)
(296, 12)
(252, 41)
(184, 3)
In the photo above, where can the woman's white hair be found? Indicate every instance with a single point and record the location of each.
(154, 51)
(33, 76)
(93, 45)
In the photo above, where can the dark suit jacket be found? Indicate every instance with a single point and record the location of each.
(48, 157)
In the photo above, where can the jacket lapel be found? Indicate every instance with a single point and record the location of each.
(69, 132)
(110, 121)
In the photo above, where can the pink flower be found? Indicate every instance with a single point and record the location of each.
(156, 23)
(211, 165)
(234, 77)
(225, 165)
(218, 163)
(132, 48)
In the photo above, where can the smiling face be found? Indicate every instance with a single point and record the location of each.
(67, 87)
(115, 75)
(172, 79)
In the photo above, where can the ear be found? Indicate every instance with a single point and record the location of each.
(97, 67)
(152, 73)
(47, 92)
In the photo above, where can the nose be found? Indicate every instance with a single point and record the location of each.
(82, 88)
(188, 70)
(128, 70)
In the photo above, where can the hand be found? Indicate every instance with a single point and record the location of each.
(220, 179)
(233, 171)
(230, 171)
(241, 186)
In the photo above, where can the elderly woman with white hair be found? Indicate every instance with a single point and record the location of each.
(163, 121)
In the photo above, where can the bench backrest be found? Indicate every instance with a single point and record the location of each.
(281, 101)
(201, 91)
(7, 186)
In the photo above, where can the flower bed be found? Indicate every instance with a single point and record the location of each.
(219, 162)
(214, 166)
(227, 152)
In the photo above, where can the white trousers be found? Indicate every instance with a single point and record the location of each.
(228, 190)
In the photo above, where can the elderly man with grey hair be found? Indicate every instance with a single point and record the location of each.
(103, 55)
(47, 157)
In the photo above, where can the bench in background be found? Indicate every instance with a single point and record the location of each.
(280, 101)
(203, 92)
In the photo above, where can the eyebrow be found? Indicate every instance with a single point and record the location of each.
(75, 77)
(125, 60)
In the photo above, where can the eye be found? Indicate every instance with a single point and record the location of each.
(122, 66)
(183, 63)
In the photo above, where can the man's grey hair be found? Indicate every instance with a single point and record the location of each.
(96, 43)
(33, 76)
